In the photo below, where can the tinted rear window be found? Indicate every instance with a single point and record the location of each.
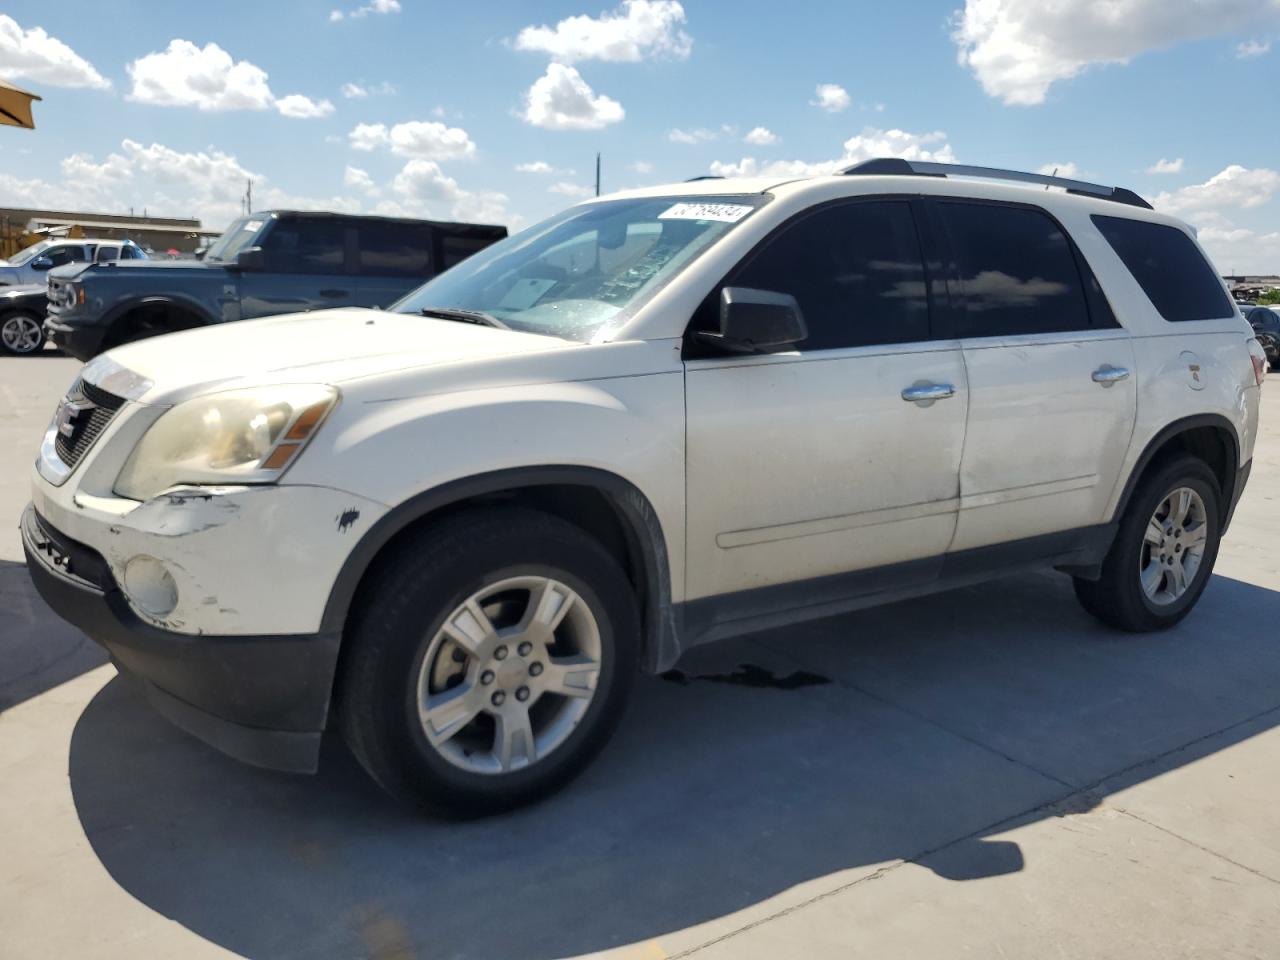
(1171, 270)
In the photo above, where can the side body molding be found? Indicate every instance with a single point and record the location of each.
(645, 543)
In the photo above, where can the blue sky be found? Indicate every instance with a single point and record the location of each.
(169, 107)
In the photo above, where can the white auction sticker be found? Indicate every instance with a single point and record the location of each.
(728, 212)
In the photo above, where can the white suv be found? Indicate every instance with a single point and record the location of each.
(459, 527)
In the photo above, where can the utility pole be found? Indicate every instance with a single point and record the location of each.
(248, 195)
(597, 174)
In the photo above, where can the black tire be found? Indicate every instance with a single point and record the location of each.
(403, 604)
(16, 315)
(1117, 597)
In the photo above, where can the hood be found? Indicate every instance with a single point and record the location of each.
(22, 291)
(72, 270)
(323, 346)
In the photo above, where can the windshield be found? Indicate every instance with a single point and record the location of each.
(234, 239)
(30, 253)
(581, 273)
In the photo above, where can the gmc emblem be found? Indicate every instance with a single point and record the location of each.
(68, 417)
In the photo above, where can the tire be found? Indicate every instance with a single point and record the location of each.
(1118, 598)
(397, 653)
(21, 333)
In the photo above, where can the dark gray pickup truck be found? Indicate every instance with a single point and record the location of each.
(267, 263)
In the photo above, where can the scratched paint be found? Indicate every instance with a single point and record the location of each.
(347, 519)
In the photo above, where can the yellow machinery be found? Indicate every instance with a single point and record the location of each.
(14, 236)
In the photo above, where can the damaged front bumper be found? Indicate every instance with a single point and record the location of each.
(241, 660)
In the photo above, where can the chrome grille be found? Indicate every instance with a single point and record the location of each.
(97, 409)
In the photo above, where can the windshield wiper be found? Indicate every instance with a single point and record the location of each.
(478, 317)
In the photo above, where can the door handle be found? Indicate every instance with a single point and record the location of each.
(1107, 374)
(928, 392)
(334, 294)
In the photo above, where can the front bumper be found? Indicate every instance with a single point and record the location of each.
(83, 343)
(261, 699)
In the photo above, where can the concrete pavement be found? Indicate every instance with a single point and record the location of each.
(988, 772)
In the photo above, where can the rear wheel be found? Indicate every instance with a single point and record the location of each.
(21, 332)
(489, 661)
(1164, 550)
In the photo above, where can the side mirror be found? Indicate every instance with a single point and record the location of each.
(41, 263)
(251, 258)
(756, 321)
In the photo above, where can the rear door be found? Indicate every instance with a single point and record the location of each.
(816, 461)
(308, 266)
(393, 258)
(1050, 371)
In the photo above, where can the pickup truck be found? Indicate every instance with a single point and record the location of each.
(266, 263)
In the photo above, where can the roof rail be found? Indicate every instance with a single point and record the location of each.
(705, 176)
(896, 166)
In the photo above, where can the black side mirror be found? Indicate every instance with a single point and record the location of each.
(251, 258)
(41, 263)
(756, 321)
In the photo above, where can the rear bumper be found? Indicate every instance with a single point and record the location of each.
(83, 343)
(261, 699)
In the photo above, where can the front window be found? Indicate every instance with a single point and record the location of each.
(234, 239)
(28, 254)
(581, 273)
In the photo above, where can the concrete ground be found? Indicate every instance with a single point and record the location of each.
(989, 773)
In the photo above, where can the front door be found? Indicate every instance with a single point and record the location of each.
(1052, 390)
(307, 268)
(817, 461)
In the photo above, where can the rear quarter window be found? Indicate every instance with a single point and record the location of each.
(1169, 267)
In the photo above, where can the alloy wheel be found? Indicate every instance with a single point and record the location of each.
(1173, 546)
(20, 334)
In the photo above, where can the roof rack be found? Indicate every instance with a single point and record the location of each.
(896, 166)
(705, 176)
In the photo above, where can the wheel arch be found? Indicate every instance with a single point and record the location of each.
(589, 497)
(112, 318)
(1210, 436)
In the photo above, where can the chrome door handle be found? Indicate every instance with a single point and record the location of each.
(1107, 374)
(928, 392)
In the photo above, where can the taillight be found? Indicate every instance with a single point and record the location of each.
(1259, 358)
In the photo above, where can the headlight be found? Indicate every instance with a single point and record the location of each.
(240, 436)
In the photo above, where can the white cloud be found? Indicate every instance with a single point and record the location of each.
(424, 139)
(566, 189)
(830, 97)
(1234, 187)
(426, 190)
(1166, 166)
(762, 137)
(208, 78)
(36, 56)
(1252, 48)
(636, 30)
(641, 166)
(374, 6)
(360, 180)
(1019, 48)
(1060, 169)
(540, 167)
(1235, 250)
(561, 100)
(303, 108)
(699, 135)
(360, 91)
(867, 145)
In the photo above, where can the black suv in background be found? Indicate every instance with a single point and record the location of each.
(267, 263)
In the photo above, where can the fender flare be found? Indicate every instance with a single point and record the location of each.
(639, 521)
(119, 310)
(1167, 433)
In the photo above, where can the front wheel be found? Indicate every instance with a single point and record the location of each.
(1164, 550)
(489, 661)
(21, 332)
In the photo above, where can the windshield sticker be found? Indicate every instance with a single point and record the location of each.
(524, 294)
(253, 225)
(726, 212)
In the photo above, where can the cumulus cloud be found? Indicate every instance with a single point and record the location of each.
(867, 145)
(761, 137)
(830, 97)
(540, 167)
(1060, 169)
(360, 91)
(641, 166)
(1166, 166)
(36, 56)
(374, 6)
(566, 189)
(561, 100)
(1238, 250)
(636, 30)
(1019, 48)
(424, 190)
(360, 180)
(698, 135)
(1252, 48)
(208, 78)
(1235, 187)
(424, 139)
